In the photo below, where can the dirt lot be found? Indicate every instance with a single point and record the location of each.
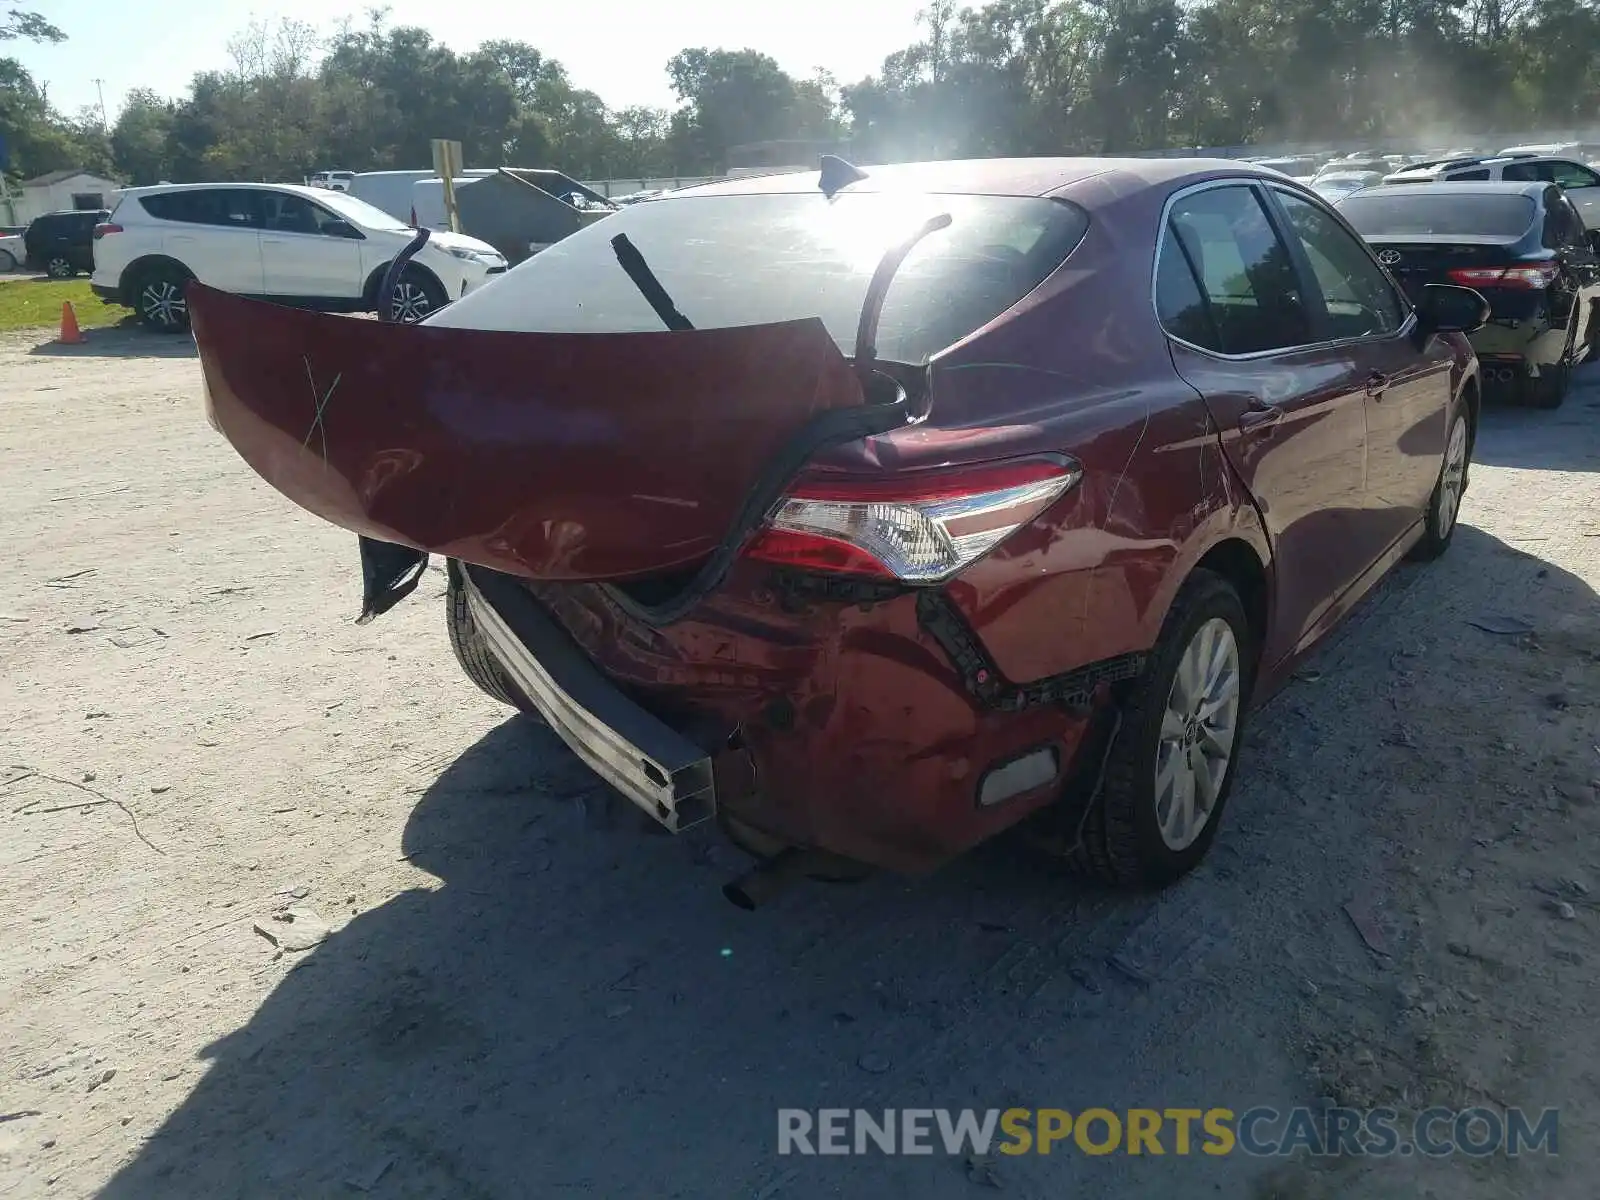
(524, 993)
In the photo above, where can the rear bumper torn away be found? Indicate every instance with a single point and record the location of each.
(650, 763)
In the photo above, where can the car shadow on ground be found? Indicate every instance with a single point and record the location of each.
(576, 1010)
(127, 339)
(1517, 436)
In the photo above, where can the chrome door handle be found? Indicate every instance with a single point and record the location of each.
(1377, 384)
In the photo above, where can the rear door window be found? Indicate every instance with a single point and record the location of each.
(1359, 299)
(233, 208)
(1244, 271)
(1477, 174)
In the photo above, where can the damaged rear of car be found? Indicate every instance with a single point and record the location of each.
(782, 505)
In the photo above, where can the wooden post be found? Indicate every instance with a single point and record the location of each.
(447, 165)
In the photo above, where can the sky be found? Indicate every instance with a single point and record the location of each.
(615, 48)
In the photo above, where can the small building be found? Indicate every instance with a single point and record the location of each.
(58, 190)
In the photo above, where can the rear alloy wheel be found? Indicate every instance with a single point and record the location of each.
(1444, 506)
(415, 297)
(160, 301)
(1171, 763)
(59, 267)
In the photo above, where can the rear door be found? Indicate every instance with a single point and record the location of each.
(1573, 296)
(1407, 391)
(215, 232)
(306, 251)
(1288, 405)
(81, 237)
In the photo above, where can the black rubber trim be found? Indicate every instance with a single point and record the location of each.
(391, 277)
(1075, 689)
(389, 573)
(832, 428)
(583, 682)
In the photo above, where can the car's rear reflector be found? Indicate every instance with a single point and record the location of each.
(1527, 277)
(919, 528)
(104, 228)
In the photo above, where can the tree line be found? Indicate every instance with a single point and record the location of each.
(1007, 77)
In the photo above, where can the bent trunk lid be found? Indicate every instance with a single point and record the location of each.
(548, 456)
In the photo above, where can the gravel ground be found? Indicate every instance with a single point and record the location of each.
(516, 990)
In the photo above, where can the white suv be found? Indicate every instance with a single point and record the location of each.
(281, 242)
(1580, 182)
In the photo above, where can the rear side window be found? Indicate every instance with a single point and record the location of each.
(1245, 275)
(225, 207)
(1179, 303)
(1471, 214)
(750, 259)
(1480, 173)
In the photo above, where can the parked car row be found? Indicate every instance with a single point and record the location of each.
(1522, 245)
(61, 244)
(311, 247)
(864, 559)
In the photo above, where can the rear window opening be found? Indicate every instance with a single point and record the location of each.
(1433, 215)
(753, 259)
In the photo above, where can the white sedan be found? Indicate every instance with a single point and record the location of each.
(11, 253)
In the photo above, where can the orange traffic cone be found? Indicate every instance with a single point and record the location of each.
(71, 335)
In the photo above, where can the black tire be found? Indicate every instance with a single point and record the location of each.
(59, 266)
(417, 294)
(158, 299)
(1121, 842)
(470, 651)
(8, 262)
(1444, 511)
(1549, 390)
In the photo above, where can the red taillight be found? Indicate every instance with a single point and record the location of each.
(1529, 277)
(920, 528)
(105, 227)
(413, 216)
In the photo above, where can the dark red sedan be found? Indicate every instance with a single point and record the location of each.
(868, 512)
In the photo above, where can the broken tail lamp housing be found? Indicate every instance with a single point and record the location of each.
(921, 527)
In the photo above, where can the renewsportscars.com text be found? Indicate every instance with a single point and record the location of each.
(1261, 1131)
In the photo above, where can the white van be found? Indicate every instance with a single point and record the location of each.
(427, 201)
(391, 190)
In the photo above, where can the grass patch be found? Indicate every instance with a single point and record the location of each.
(36, 304)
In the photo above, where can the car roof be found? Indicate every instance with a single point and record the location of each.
(299, 189)
(1465, 187)
(990, 176)
(1481, 160)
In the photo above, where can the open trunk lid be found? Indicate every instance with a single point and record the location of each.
(544, 455)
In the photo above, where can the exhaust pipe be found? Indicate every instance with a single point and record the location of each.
(769, 877)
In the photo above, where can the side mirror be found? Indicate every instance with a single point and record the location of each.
(1446, 308)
